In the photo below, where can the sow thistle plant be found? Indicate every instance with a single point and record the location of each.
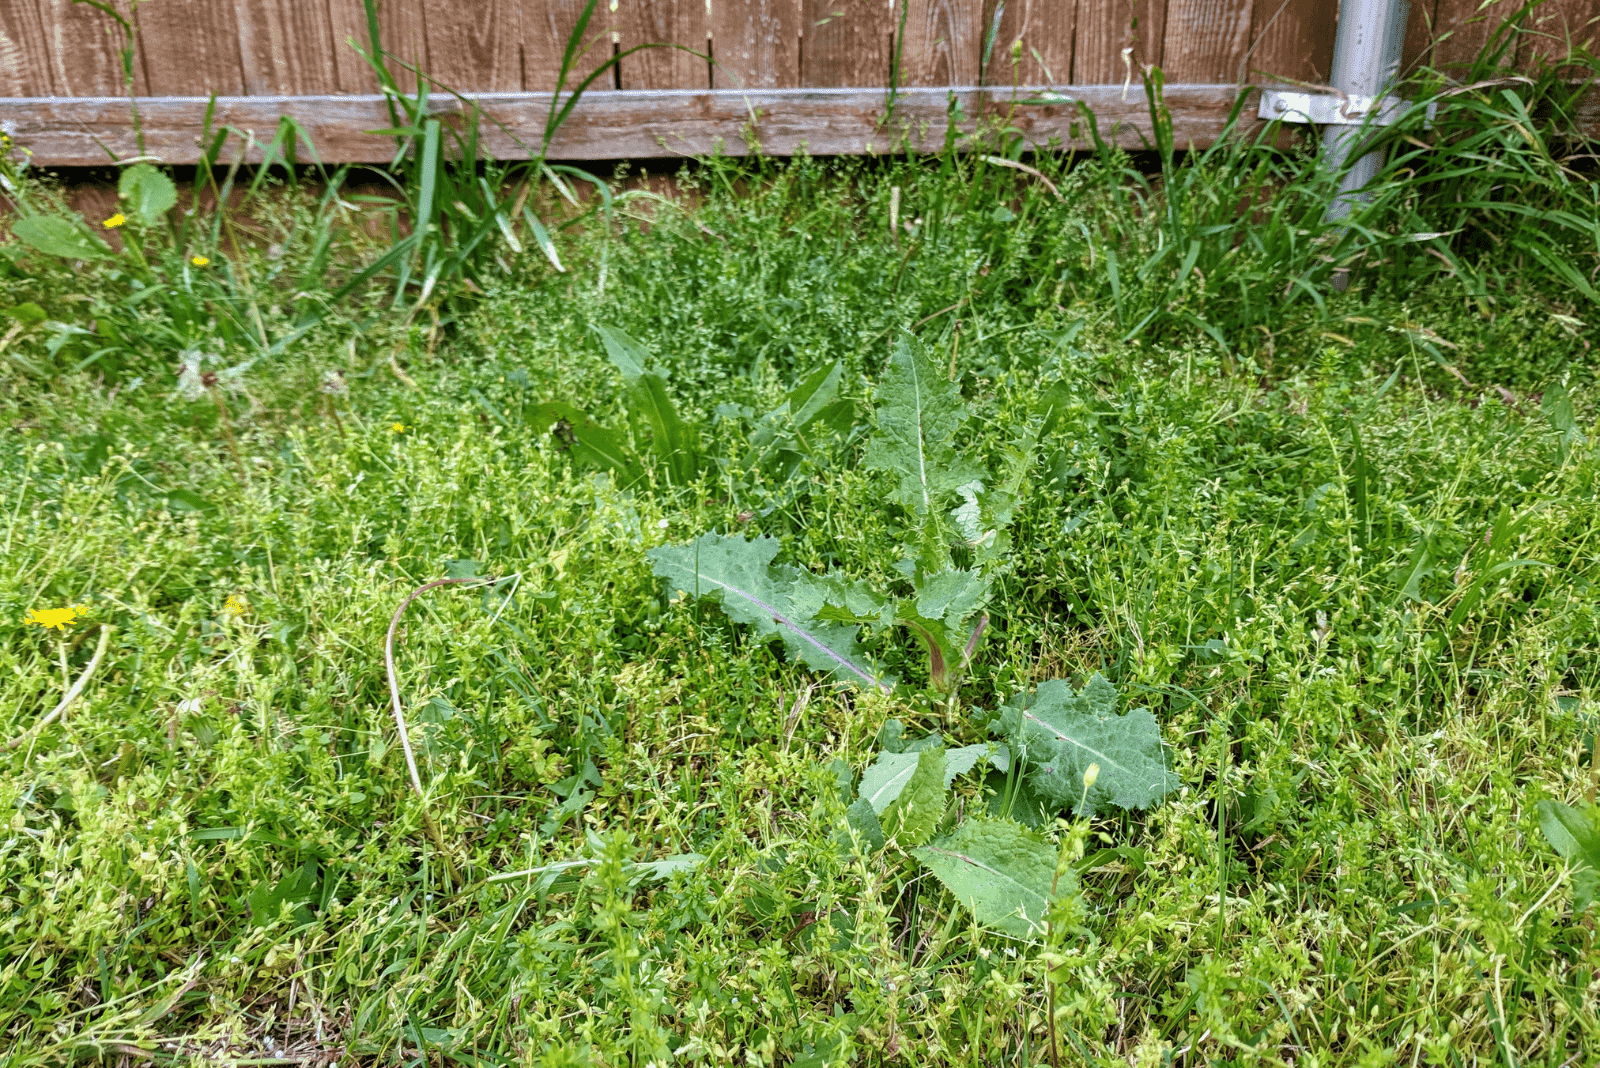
(1055, 747)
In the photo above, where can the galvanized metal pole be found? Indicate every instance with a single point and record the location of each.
(1366, 62)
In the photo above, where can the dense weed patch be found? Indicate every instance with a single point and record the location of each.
(1340, 545)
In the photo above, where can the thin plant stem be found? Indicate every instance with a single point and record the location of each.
(400, 718)
(72, 691)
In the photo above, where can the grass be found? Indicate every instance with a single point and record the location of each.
(1343, 545)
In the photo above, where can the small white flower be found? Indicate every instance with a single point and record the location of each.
(661, 525)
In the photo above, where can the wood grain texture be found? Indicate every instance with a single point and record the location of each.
(942, 43)
(640, 124)
(1044, 28)
(190, 47)
(756, 44)
(669, 22)
(81, 49)
(1207, 40)
(286, 47)
(546, 27)
(1463, 27)
(1558, 27)
(24, 51)
(1292, 41)
(844, 43)
(401, 30)
(1106, 27)
(474, 47)
(1418, 47)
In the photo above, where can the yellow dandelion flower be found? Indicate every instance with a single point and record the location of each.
(115, 221)
(58, 618)
(235, 607)
(200, 261)
(398, 428)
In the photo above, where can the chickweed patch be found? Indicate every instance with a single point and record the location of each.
(1312, 573)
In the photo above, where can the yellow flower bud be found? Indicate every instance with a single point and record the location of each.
(1090, 775)
(200, 261)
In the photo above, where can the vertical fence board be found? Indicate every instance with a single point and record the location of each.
(671, 22)
(844, 43)
(1292, 40)
(476, 46)
(1206, 40)
(1418, 47)
(286, 47)
(191, 47)
(401, 31)
(82, 47)
(546, 27)
(1559, 26)
(1045, 28)
(24, 52)
(756, 44)
(1105, 29)
(942, 42)
(1463, 27)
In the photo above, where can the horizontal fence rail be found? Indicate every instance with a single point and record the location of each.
(813, 72)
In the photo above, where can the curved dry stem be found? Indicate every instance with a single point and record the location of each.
(71, 694)
(399, 712)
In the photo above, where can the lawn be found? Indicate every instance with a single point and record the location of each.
(1009, 458)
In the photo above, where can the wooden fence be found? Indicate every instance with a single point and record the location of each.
(778, 74)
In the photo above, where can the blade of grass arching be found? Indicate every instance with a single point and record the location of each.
(427, 172)
(500, 218)
(374, 58)
(541, 237)
(559, 118)
(568, 54)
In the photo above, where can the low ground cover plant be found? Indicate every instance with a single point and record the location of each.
(1145, 670)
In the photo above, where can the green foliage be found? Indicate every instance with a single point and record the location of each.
(149, 193)
(1575, 835)
(1060, 734)
(55, 236)
(1002, 872)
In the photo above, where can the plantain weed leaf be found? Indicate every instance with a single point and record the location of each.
(919, 412)
(752, 590)
(647, 401)
(1002, 872)
(629, 356)
(810, 397)
(1575, 835)
(56, 236)
(1064, 732)
(914, 815)
(149, 193)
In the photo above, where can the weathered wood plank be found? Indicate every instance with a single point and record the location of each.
(1292, 41)
(1463, 27)
(666, 22)
(546, 27)
(1558, 27)
(1045, 30)
(942, 43)
(82, 47)
(845, 43)
(474, 47)
(24, 51)
(756, 44)
(1105, 29)
(190, 47)
(640, 124)
(286, 47)
(401, 30)
(1207, 40)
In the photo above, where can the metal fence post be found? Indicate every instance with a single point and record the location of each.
(1366, 62)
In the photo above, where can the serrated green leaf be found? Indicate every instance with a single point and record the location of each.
(55, 236)
(886, 778)
(960, 761)
(914, 815)
(919, 412)
(1064, 732)
(1000, 871)
(751, 589)
(1575, 835)
(149, 193)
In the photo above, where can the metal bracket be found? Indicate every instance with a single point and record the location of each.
(1333, 109)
